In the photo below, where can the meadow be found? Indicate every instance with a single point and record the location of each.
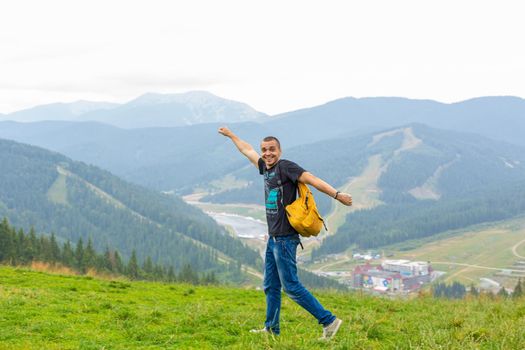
(42, 310)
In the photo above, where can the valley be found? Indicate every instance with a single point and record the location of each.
(412, 185)
(492, 250)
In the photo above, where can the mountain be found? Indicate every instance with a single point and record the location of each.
(169, 110)
(58, 111)
(159, 158)
(500, 118)
(148, 110)
(182, 158)
(53, 193)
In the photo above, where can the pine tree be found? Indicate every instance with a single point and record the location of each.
(503, 293)
(5, 240)
(32, 251)
(133, 267)
(79, 256)
(474, 291)
(68, 256)
(210, 278)
(458, 290)
(171, 274)
(44, 249)
(158, 273)
(118, 266)
(148, 267)
(107, 260)
(90, 256)
(518, 290)
(55, 249)
(188, 275)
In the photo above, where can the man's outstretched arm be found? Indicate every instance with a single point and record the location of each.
(243, 146)
(324, 187)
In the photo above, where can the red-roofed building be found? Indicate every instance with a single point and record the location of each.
(392, 276)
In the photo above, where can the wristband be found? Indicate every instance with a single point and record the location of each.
(335, 197)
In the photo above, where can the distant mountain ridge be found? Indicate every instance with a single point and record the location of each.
(159, 158)
(148, 110)
(58, 111)
(497, 117)
(154, 157)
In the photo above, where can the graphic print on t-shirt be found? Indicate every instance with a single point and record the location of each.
(272, 196)
(271, 202)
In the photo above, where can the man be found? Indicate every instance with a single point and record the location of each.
(280, 268)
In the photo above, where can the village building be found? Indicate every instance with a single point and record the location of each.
(392, 276)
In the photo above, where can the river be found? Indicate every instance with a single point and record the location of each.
(243, 226)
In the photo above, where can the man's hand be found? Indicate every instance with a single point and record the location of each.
(225, 131)
(344, 198)
(243, 146)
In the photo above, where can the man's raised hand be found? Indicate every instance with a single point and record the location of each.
(225, 131)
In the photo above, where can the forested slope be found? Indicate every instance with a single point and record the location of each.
(55, 194)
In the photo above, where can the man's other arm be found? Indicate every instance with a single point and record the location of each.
(243, 146)
(324, 187)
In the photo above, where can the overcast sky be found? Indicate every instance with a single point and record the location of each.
(276, 56)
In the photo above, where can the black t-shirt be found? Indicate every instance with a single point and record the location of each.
(280, 189)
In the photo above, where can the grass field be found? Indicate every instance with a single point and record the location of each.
(488, 245)
(45, 311)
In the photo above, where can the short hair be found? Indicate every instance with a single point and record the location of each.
(272, 138)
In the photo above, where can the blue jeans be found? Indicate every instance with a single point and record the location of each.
(280, 270)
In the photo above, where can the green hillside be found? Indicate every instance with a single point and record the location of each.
(397, 223)
(52, 193)
(45, 311)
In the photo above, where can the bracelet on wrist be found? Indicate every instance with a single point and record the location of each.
(336, 194)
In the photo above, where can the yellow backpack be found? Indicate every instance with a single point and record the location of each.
(303, 215)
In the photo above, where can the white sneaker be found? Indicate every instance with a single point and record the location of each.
(331, 330)
(264, 330)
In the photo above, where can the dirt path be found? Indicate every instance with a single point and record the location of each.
(474, 266)
(341, 261)
(515, 249)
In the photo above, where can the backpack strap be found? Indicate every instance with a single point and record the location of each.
(281, 183)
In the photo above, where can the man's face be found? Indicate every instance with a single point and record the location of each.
(270, 152)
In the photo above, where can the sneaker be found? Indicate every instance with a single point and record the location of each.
(331, 330)
(264, 330)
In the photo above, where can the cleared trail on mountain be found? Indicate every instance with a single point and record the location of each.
(364, 188)
(429, 189)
